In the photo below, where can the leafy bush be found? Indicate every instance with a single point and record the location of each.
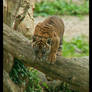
(34, 82)
(60, 7)
(20, 73)
(76, 47)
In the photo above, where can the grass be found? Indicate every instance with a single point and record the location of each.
(60, 7)
(77, 47)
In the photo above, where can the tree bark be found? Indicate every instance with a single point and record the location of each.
(72, 70)
(7, 83)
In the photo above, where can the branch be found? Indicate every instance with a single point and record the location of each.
(72, 70)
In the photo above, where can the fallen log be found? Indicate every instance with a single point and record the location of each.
(72, 70)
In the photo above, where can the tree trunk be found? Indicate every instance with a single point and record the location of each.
(72, 70)
(12, 8)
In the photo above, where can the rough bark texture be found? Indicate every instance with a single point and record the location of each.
(72, 70)
(7, 82)
(7, 60)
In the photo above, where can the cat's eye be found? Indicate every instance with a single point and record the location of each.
(49, 41)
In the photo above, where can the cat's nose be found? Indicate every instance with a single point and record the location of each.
(40, 47)
(40, 55)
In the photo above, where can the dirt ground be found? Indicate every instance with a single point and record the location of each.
(74, 26)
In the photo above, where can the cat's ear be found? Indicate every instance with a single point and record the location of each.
(38, 26)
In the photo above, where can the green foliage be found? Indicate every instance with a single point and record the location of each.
(76, 47)
(64, 87)
(34, 82)
(20, 73)
(60, 7)
(45, 85)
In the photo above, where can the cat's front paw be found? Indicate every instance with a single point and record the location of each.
(51, 58)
